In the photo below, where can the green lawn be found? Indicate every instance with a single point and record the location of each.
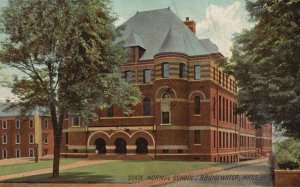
(46, 163)
(121, 171)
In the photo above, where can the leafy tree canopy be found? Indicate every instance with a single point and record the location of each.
(266, 64)
(68, 51)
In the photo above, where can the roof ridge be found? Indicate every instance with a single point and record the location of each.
(138, 12)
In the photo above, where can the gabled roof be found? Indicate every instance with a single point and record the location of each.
(156, 30)
(134, 40)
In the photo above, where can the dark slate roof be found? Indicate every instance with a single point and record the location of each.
(156, 30)
(134, 40)
(15, 112)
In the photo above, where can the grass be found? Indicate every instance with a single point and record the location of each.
(120, 172)
(19, 168)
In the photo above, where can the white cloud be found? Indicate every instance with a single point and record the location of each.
(119, 21)
(220, 23)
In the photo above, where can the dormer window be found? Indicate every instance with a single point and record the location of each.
(165, 70)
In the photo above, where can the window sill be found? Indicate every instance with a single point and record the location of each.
(196, 144)
(166, 124)
(75, 126)
(197, 115)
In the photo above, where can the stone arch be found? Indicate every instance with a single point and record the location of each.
(143, 134)
(98, 134)
(100, 144)
(120, 144)
(121, 134)
(197, 93)
(164, 89)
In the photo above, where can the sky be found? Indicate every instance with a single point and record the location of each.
(217, 20)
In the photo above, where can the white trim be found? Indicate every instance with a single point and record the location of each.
(19, 153)
(6, 139)
(18, 123)
(130, 136)
(4, 122)
(17, 138)
(29, 152)
(173, 147)
(32, 138)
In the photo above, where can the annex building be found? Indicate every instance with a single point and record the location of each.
(187, 110)
(24, 135)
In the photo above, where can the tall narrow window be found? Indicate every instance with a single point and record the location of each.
(4, 154)
(31, 153)
(4, 124)
(197, 137)
(220, 77)
(18, 124)
(230, 112)
(18, 153)
(46, 123)
(45, 137)
(4, 139)
(220, 107)
(18, 138)
(165, 70)
(226, 119)
(31, 139)
(181, 70)
(197, 72)
(147, 107)
(165, 117)
(223, 118)
(220, 140)
(31, 123)
(214, 108)
(147, 75)
(128, 76)
(214, 73)
(67, 138)
(214, 139)
(110, 112)
(197, 105)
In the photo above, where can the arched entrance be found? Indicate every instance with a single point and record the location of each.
(120, 144)
(100, 145)
(141, 146)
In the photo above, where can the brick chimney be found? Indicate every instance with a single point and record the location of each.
(190, 24)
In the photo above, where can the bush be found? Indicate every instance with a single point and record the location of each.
(288, 154)
(288, 165)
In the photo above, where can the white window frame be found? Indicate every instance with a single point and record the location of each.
(19, 153)
(197, 75)
(17, 138)
(32, 152)
(32, 139)
(18, 123)
(46, 123)
(4, 122)
(44, 138)
(6, 156)
(6, 139)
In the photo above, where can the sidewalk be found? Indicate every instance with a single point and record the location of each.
(49, 170)
(13, 161)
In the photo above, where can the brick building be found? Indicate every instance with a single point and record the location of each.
(187, 110)
(20, 134)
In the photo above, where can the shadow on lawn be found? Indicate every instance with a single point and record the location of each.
(70, 177)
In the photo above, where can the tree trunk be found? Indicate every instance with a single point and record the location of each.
(57, 142)
(57, 127)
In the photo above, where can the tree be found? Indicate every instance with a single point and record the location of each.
(68, 51)
(265, 62)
